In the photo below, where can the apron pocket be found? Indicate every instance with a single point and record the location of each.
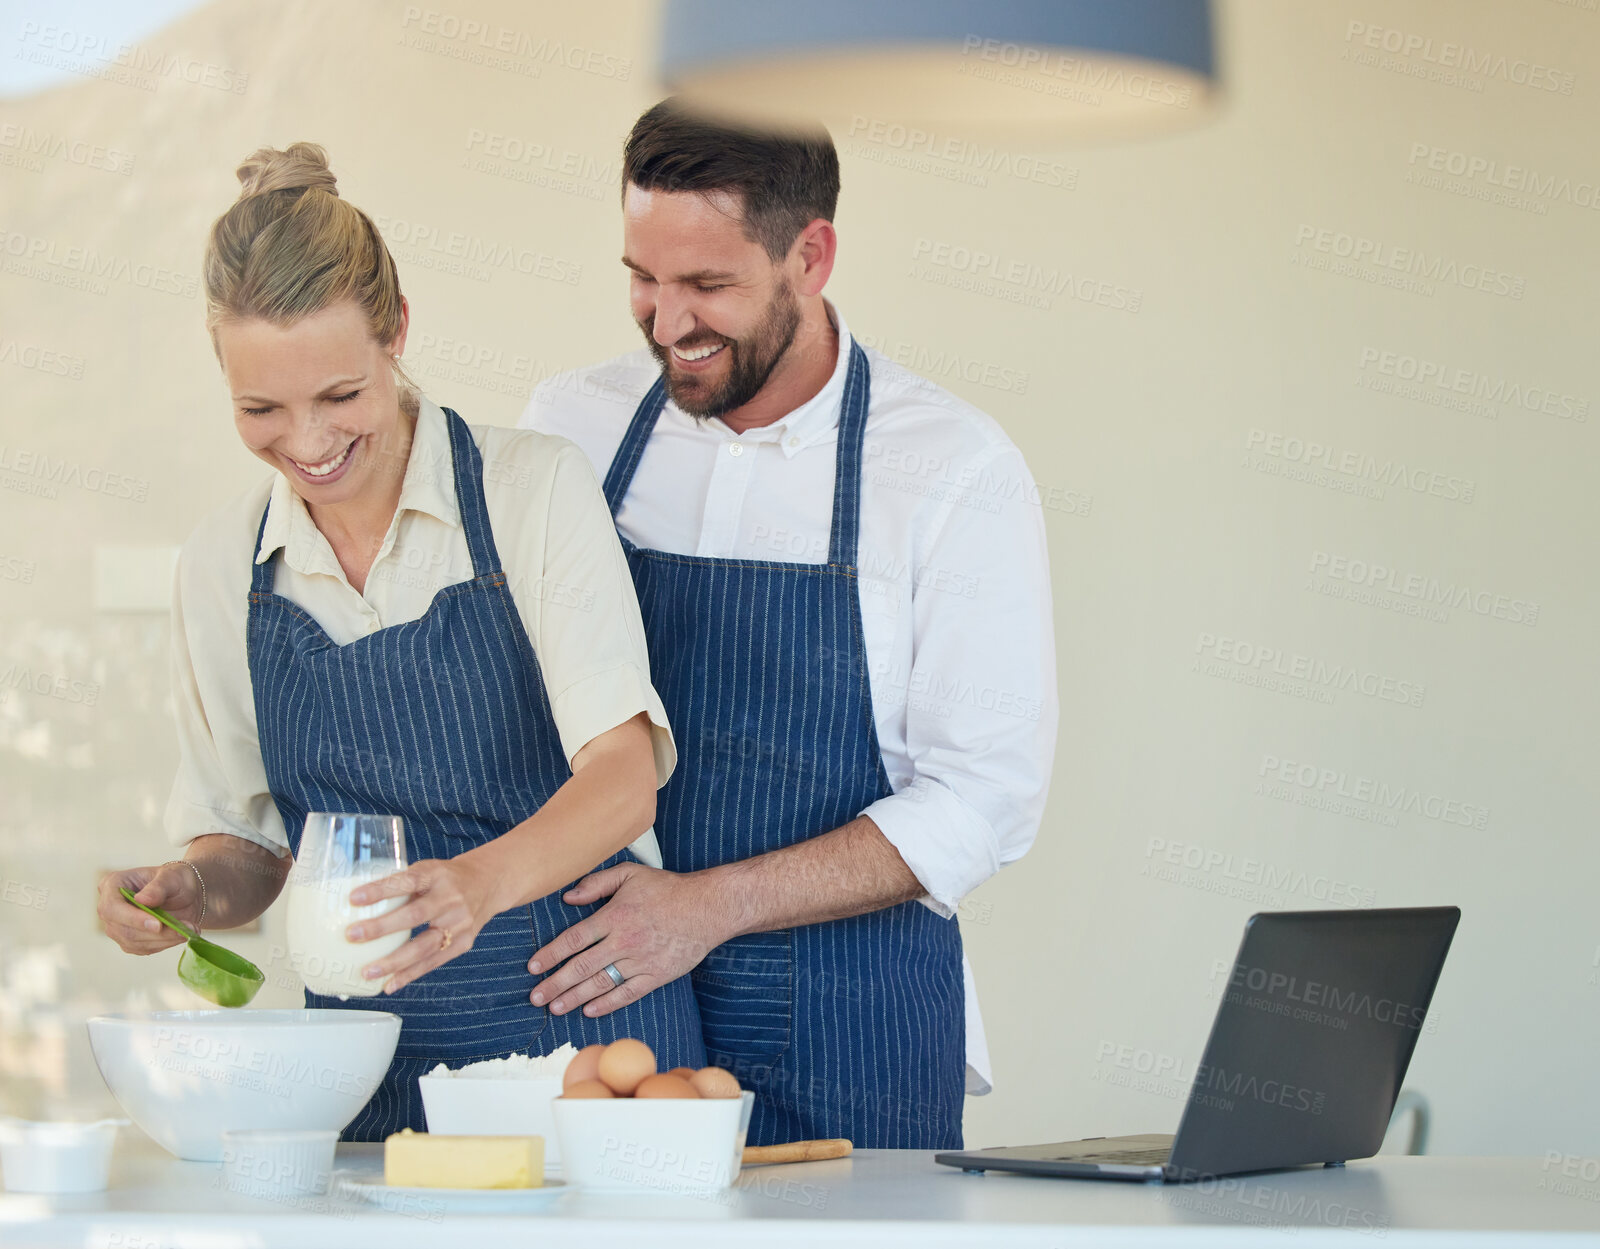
(745, 988)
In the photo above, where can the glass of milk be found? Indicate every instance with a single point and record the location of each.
(340, 852)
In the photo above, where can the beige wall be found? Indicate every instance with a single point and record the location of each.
(1167, 431)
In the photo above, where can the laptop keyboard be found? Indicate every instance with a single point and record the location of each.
(1134, 1156)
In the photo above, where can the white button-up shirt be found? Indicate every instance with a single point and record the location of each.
(954, 584)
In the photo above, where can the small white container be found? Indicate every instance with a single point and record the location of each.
(57, 1157)
(271, 1164)
(652, 1144)
(457, 1106)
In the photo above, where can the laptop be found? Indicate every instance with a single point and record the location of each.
(1306, 1056)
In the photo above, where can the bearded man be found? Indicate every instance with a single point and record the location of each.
(843, 582)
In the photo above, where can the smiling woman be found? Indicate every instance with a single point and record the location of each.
(306, 316)
(411, 617)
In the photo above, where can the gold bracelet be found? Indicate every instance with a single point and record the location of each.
(186, 863)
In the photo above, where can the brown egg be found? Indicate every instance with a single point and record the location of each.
(585, 1065)
(587, 1088)
(686, 1072)
(665, 1085)
(625, 1063)
(715, 1082)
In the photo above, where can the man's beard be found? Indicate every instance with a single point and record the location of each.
(751, 360)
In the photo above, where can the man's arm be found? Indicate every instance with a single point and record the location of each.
(980, 728)
(659, 924)
(849, 871)
(980, 748)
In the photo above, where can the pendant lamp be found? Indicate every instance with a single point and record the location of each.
(1077, 68)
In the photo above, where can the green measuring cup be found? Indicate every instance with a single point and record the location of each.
(216, 974)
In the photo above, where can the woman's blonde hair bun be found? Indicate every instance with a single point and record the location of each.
(298, 167)
(282, 252)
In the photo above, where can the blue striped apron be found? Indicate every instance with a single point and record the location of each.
(854, 1028)
(445, 722)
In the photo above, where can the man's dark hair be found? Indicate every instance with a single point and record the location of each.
(784, 180)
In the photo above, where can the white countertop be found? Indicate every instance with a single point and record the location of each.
(876, 1197)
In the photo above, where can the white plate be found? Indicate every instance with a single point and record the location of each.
(366, 1187)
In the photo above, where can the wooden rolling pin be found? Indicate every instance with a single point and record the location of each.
(795, 1151)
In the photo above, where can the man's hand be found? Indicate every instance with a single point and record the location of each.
(656, 927)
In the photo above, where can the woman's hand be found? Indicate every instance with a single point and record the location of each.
(452, 896)
(171, 886)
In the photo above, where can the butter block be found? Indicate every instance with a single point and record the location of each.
(423, 1160)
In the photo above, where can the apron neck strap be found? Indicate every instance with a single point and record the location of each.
(626, 461)
(844, 536)
(262, 574)
(468, 465)
(843, 539)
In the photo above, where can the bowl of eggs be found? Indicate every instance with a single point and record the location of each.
(625, 1126)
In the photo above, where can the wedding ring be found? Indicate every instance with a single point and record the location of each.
(445, 945)
(616, 976)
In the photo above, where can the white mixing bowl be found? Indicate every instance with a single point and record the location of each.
(187, 1076)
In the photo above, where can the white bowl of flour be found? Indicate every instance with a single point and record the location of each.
(498, 1097)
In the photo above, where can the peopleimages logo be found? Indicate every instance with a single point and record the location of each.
(15, 568)
(1431, 376)
(212, 1055)
(471, 255)
(1350, 1003)
(1576, 1176)
(40, 359)
(1240, 1201)
(37, 146)
(133, 64)
(1424, 589)
(537, 164)
(34, 468)
(1358, 250)
(16, 676)
(940, 695)
(1023, 280)
(943, 364)
(1513, 180)
(475, 39)
(1257, 659)
(1445, 54)
(1203, 1078)
(1029, 66)
(22, 893)
(1338, 783)
(31, 250)
(1359, 465)
(927, 151)
(1246, 870)
(970, 484)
